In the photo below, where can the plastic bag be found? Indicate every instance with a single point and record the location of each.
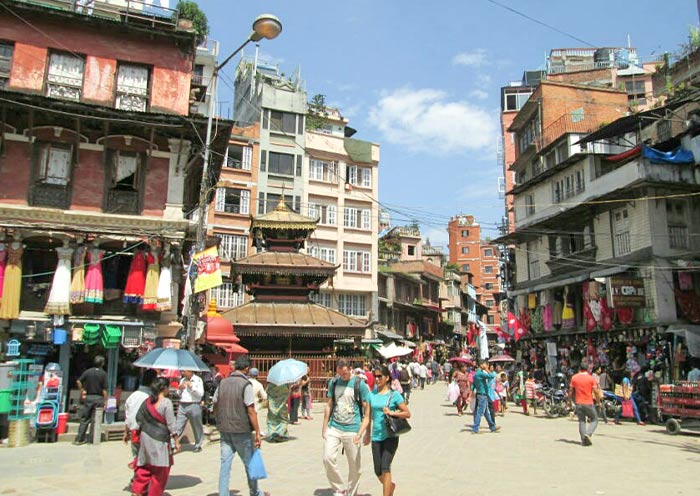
(256, 467)
(452, 392)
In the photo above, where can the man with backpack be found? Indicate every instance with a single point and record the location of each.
(345, 421)
(405, 381)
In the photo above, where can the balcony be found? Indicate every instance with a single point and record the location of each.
(200, 80)
(572, 261)
(123, 202)
(567, 123)
(622, 244)
(678, 236)
(50, 195)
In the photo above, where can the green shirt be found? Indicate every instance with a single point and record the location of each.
(346, 414)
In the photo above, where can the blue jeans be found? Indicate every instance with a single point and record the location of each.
(232, 443)
(482, 403)
(634, 409)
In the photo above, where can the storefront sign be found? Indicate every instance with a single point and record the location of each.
(626, 292)
(208, 271)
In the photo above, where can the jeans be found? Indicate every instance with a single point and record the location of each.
(482, 403)
(87, 413)
(193, 413)
(586, 412)
(232, 443)
(634, 409)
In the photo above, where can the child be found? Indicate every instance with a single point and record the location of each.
(498, 405)
(530, 388)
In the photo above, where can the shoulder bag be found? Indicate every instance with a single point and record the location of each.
(395, 425)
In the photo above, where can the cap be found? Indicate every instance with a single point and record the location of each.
(253, 372)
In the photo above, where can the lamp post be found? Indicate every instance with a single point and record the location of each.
(265, 26)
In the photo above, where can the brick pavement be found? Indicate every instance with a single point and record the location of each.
(531, 456)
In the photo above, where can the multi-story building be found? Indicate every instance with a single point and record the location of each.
(477, 257)
(100, 162)
(341, 191)
(231, 208)
(278, 103)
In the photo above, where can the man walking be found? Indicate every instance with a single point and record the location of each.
(481, 388)
(93, 392)
(191, 392)
(582, 387)
(345, 422)
(422, 374)
(234, 405)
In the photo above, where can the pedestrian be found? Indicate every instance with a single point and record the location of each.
(294, 402)
(191, 390)
(628, 395)
(277, 412)
(435, 371)
(131, 408)
(598, 395)
(494, 397)
(305, 398)
(481, 389)
(520, 379)
(694, 373)
(158, 441)
(258, 390)
(531, 393)
(582, 387)
(422, 374)
(463, 384)
(605, 381)
(447, 370)
(93, 393)
(405, 382)
(345, 421)
(384, 402)
(504, 392)
(237, 421)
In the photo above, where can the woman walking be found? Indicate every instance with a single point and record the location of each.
(277, 413)
(463, 383)
(305, 398)
(156, 421)
(384, 402)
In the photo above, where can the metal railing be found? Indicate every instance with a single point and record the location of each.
(623, 244)
(678, 236)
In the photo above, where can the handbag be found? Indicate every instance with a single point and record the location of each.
(256, 467)
(396, 425)
(627, 409)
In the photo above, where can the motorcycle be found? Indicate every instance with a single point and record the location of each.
(611, 404)
(556, 402)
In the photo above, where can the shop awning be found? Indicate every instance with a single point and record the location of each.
(550, 284)
(390, 335)
(691, 334)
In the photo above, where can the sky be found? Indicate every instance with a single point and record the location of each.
(422, 79)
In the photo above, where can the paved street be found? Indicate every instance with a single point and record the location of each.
(531, 456)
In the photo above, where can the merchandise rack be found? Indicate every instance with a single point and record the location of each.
(679, 404)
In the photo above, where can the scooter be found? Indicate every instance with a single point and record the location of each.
(611, 404)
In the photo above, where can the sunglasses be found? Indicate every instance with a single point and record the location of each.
(377, 376)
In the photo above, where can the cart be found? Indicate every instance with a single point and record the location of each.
(679, 406)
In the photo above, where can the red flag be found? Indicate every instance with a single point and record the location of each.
(502, 334)
(515, 327)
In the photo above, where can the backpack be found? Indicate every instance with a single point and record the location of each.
(356, 391)
(403, 375)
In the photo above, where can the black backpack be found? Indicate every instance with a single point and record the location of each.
(356, 391)
(404, 376)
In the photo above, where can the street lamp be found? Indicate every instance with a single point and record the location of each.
(265, 26)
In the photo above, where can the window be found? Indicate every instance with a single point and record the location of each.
(326, 214)
(568, 186)
(529, 205)
(621, 229)
(351, 304)
(323, 299)
(132, 87)
(239, 157)
(488, 269)
(324, 253)
(280, 163)
(6, 51)
(198, 74)
(465, 233)
(232, 200)
(323, 171)
(533, 262)
(562, 151)
(55, 163)
(488, 286)
(465, 268)
(677, 223)
(577, 115)
(292, 203)
(64, 79)
(490, 303)
(488, 252)
(636, 92)
(465, 250)
(359, 176)
(233, 247)
(366, 178)
(282, 122)
(227, 296)
(357, 261)
(411, 250)
(126, 168)
(528, 135)
(490, 319)
(357, 218)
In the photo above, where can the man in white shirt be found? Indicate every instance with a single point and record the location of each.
(190, 408)
(694, 374)
(258, 390)
(422, 374)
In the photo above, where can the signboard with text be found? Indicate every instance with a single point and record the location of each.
(626, 292)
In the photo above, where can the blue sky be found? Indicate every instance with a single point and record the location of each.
(424, 82)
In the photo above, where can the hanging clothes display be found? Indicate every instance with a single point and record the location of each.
(77, 285)
(532, 301)
(3, 261)
(94, 285)
(59, 297)
(568, 318)
(557, 309)
(685, 281)
(150, 292)
(136, 280)
(164, 283)
(547, 317)
(12, 283)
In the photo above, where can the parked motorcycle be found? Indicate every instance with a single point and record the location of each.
(611, 404)
(556, 403)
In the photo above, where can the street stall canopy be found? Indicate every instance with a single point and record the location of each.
(392, 351)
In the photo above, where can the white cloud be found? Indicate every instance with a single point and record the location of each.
(479, 94)
(426, 120)
(475, 58)
(438, 237)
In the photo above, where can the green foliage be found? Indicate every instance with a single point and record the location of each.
(317, 115)
(200, 24)
(452, 267)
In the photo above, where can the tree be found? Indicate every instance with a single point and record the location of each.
(316, 115)
(200, 24)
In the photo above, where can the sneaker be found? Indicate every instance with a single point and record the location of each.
(497, 429)
(197, 450)
(587, 441)
(79, 443)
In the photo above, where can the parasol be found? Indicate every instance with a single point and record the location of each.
(502, 358)
(462, 360)
(171, 359)
(287, 372)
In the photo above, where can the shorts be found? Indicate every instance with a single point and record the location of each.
(383, 454)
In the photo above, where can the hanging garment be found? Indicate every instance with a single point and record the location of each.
(77, 285)
(12, 284)
(568, 318)
(537, 320)
(531, 301)
(3, 261)
(625, 315)
(164, 284)
(685, 281)
(606, 315)
(136, 281)
(94, 285)
(150, 292)
(110, 271)
(59, 297)
(547, 317)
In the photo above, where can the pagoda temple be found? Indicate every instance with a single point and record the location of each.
(281, 317)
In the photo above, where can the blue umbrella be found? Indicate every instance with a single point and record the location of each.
(171, 359)
(287, 371)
